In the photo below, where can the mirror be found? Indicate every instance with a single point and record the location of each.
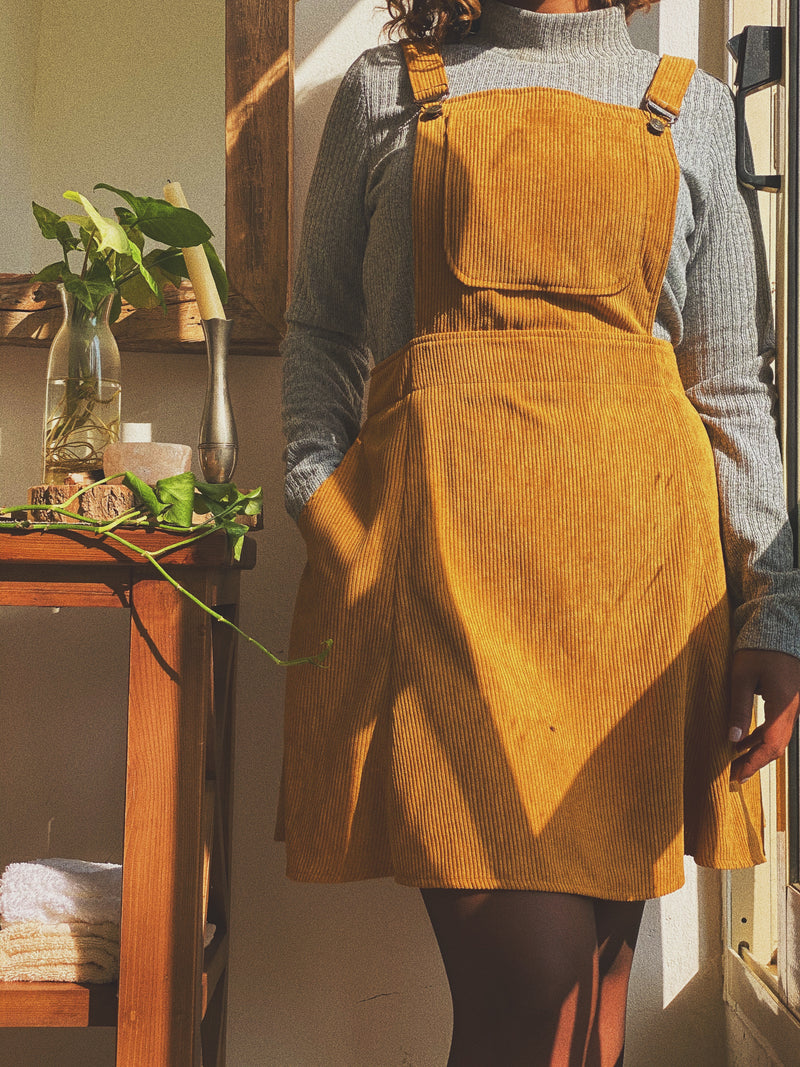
(248, 138)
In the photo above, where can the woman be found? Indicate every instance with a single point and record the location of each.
(536, 233)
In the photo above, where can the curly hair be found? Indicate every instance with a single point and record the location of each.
(434, 20)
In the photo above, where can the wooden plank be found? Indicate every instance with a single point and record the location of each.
(259, 94)
(209, 806)
(35, 594)
(225, 653)
(63, 586)
(85, 548)
(25, 1004)
(30, 315)
(161, 937)
(216, 960)
(215, 999)
(224, 586)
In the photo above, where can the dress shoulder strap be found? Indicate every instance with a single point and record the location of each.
(667, 89)
(425, 71)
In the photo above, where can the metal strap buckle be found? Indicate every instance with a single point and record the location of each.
(660, 118)
(432, 109)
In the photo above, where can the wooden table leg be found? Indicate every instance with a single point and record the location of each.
(220, 773)
(161, 937)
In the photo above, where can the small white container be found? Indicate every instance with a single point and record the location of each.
(135, 431)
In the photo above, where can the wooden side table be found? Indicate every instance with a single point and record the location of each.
(172, 994)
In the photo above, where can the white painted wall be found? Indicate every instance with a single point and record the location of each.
(342, 976)
(19, 22)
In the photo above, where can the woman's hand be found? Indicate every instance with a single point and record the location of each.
(775, 676)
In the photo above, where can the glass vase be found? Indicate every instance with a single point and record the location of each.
(82, 405)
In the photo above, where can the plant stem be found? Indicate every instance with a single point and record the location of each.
(86, 257)
(83, 525)
(318, 659)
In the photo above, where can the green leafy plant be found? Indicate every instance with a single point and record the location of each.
(114, 261)
(171, 505)
(83, 405)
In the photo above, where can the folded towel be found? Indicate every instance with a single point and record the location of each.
(59, 952)
(59, 890)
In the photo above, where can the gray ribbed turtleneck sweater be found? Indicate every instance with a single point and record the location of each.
(354, 300)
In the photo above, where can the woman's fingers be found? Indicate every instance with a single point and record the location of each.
(776, 677)
(761, 747)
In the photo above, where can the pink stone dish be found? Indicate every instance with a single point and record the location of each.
(149, 460)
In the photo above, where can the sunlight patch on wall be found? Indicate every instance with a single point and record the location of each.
(317, 77)
(680, 936)
(680, 33)
(358, 30)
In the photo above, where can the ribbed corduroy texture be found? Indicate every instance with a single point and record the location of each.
(490, 243)
(519, 558)
(671, 82)
(430, 81)
(353, 293)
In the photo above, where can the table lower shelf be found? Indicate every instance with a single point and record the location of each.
(57, 1004)
(40, 1004)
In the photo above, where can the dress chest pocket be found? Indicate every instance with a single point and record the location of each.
(546, 191)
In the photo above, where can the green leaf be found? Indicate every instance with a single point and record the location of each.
(173, 225)
(254, 502)
(54, 228)
(177, 493)
(129, 198)
(179, 264)
(110, 232)
(217, 497)
(78, 220)
(66, 238)
(217, 491)
(139, 293)
(116, 308)
(52, 272)
(136, 256)
(136, 289)
(236, 532)
(125, 216)
(164, 222)
(136, 236)
(217, 271)
(166, 264)
(132, 289)
(144, 494)
(88, 293)
(99, 272)
(47, 220)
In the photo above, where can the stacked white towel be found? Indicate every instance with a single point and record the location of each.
(60, 919)
(59, 891)
(59, 952)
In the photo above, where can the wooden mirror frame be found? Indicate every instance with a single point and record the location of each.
(259, 92)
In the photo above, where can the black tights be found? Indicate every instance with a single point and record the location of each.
(537, 979)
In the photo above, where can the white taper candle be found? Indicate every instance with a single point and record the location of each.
(205, 288)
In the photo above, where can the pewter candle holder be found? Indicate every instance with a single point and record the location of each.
(218, 445)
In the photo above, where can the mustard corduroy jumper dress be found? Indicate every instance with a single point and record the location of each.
(519, 559)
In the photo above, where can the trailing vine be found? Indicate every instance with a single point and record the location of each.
(169, 506)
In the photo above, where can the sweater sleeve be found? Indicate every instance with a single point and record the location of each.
(326, 359)
(726, 357)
